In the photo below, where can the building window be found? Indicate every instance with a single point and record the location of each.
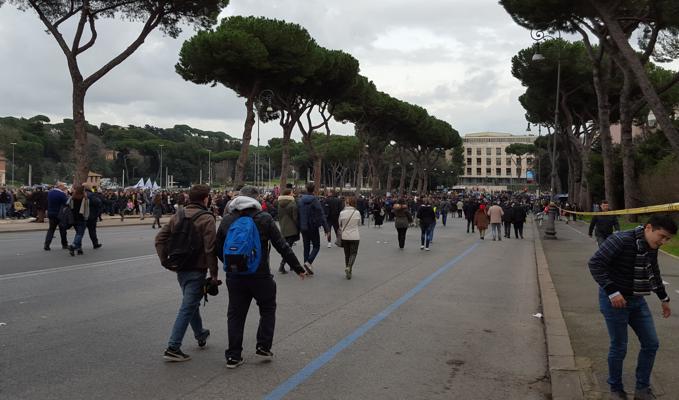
(498, 161)
(469, 161)
(478, 171)
(509, 172)
(487, 171)
(489, 151)
(498, 171)
(478, 161)
(469, 171)
(509, 161)
(498, 151)
(469, 151)
(478, 151)
(488, 161)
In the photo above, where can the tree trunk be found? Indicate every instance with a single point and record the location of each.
(318, 170)
(627, 142)
(359, 175)
(247, 135)
(402, 182)
(80, 134)
(285, 153)
(412, 181)
(387, 187)
(637, 68)
(601, 78)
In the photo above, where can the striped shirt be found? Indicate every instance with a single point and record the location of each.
(612, 266)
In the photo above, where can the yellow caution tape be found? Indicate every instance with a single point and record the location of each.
(671, 207)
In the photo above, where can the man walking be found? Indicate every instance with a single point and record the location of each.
(191, 277)
(470, 208)
(56, 200)
(334, 206)
(518, 219)
(96, 205)
(495, 214)
(603, 225)
(626, 269)
(258, 285)
(311, 218)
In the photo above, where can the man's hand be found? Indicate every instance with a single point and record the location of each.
(666, 311)
(618, 301)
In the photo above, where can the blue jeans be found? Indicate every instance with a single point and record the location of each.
(191, 283)
(4, 207)
(79, 233)
(310, 239)
(427, 233)
(637, 315)
(444, 217)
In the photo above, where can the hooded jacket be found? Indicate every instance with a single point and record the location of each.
(288, 217)
(311, 214)
(268, 232)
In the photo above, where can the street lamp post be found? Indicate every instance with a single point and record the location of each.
(539, 36)
(13, 144)
(161, 166)
(209, 167)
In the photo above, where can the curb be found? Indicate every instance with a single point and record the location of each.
(564, 375)
(43, 227)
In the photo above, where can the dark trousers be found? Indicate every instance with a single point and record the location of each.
(291, 240)
(362, 213)
(241, 293)
(518, 229)
(401, 237)
(470, 222)
(459, 213)
(54, 224)
(312, 243)
(92, 230)
(350, 251)
(508, 228)
(335, 226)
(444, 217)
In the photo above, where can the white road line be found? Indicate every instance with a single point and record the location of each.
(578, 231)
(677, 291)
(29, 274)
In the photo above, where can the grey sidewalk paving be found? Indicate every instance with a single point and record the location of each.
(577, 292)
(28, 225)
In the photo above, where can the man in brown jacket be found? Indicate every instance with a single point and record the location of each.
(192, 277)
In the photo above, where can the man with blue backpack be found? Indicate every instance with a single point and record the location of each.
(243, 240)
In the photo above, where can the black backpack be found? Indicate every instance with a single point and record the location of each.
(4, 198)
(184, 243)
(66, 217)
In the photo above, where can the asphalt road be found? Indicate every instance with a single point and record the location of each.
(455, 322)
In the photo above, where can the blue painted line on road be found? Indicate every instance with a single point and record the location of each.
(305, 373)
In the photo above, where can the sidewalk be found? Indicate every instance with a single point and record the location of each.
(567, 258)
(28, 225)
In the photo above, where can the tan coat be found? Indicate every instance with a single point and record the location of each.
(495, 213)
(205, 224)
(481, 219)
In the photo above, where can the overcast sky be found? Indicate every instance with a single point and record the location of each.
(450, 56)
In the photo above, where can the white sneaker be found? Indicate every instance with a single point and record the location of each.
(329, 245)
(426, 249)
(421, 247)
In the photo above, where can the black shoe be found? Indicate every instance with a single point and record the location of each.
(202, 342)
(644, 394)
(80, 252)
(307, 268)
(175, 355)
(263, 354)
(97, 246)
(282, 270)
(46, 248)
(71, 251)
(64, 247)
(618, 395)
(232, 362)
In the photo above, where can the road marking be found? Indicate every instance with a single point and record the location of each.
(677, 291)
(305, 373)
(39, 272)
(577, 230)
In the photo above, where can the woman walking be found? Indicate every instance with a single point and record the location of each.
(157, 210)
(288, 220)
(349, 220)
(80, 207)
(378, 212)
(427, 218)
(481, 220)
(402, 219)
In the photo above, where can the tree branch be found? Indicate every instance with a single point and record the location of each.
(72, 11)
(90, 43)
(81, 27)
(52, 29)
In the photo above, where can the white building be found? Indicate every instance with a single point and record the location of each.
(489, 167)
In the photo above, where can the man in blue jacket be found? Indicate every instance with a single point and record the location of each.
(56, 199)
(311, 218)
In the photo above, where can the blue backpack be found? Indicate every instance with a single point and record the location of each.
(242, 247)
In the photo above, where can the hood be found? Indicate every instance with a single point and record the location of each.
(307, 198)
(284, 201)
(244, 202)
